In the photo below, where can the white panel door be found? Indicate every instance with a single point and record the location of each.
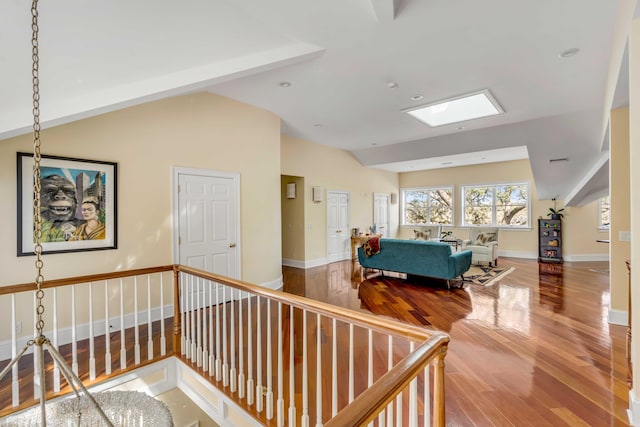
(208, 223)
(381, 213)
(338, 231)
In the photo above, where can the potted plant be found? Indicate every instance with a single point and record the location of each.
(555, 213)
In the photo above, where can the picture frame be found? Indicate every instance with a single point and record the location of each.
(78, 204)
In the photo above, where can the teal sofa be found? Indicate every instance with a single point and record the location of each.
(418, 257)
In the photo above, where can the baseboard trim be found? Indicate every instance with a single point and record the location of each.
(304, 264)
(586, 257)
(276, 284)
(517, 254)
(618, 317)
(633, 413)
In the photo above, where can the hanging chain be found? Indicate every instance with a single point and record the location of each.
(37, 216)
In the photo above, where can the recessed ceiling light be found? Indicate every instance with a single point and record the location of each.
(569, 52)
(460, 127)
(392, 85)
(285, 84)
(458, 109)
(374, 143)
(416, 97)
(318, 125)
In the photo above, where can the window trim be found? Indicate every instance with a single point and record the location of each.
(430, 188)
(526, 226)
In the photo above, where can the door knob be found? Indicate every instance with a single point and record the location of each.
(232, 245)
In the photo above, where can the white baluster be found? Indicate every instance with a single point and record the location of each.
(233, 374)
(92, 356)
(292, 381)
(389, 367)
(399, 409)
(413, 395)
(269, 397)
(136, 327)
(184, 346)
(241, 379)
(36, 360)
(304, 420)
(218, 345)
(163, 339)
(149, 321)
(351, 386)
(123, 348)
(198, 324)
(211, 353)
(427, 398)
(107, 331)
(334, 371)
(259, 391)
(194, 327)
(225, 365)
(370, 363)
(188, 294)
(319, 371)
(15, 382)
(250, 382)
(205, 344)
(56, 368)
(74, 332)
(280, 402)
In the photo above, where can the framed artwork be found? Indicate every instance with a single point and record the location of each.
(78, 204)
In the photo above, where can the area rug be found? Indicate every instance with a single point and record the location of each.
(484, 275)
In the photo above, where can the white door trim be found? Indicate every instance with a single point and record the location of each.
(177, 171)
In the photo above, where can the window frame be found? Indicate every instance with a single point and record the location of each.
(494, 223)
(403, 191)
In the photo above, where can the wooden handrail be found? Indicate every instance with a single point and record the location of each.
(24, 287)
(364, 320)
(368, 404)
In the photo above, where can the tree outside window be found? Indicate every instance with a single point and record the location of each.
(423, 206)
(502, 205)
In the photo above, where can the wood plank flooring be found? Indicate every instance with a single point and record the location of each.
(530, 350)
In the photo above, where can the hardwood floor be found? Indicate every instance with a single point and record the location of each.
(530, 350)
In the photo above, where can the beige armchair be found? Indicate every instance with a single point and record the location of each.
(483, 243)
(427, 232)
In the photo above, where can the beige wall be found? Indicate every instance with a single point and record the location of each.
(293, 230)
(195, 131)
(334, 169)
(620, 207)
(580, 224)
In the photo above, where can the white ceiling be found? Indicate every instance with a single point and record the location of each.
(340, 56)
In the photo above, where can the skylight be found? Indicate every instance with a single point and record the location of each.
(458, 109)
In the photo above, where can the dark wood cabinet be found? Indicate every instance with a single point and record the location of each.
(550, 240)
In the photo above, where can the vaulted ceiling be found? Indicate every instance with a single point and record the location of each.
(351, 68)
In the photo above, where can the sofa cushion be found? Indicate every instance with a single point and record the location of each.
(422, 235)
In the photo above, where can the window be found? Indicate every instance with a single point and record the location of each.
(423, 206)
(501, 205)
(604, 209)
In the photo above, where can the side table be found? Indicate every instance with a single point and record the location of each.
(453, 242)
